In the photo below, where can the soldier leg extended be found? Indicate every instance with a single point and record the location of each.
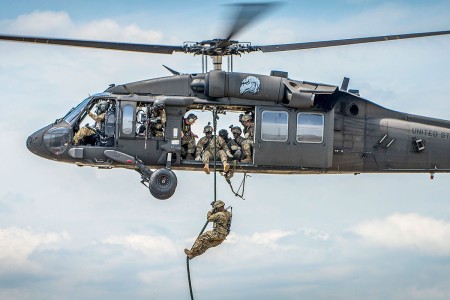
(205, 159)
(205, 241)
(223, 157)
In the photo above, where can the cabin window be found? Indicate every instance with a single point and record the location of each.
(310, 128)
(274, 126)
(127, 120)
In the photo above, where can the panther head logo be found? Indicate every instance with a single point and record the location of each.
(251, 84)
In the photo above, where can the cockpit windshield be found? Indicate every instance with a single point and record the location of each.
(71, 117)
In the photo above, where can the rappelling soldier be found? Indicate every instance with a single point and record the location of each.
(221, 219)
(205, 150)
(98, 117)
(244, 144)
(157, 118)
(188, 137)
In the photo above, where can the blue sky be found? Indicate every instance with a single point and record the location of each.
(81, 233)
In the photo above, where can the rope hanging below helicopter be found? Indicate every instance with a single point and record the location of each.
(228, 177)
(215, 197)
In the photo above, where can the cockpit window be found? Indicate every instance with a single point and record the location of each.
(71, 117)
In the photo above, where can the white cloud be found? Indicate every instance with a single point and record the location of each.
(59, 23)
(147, 244)
(41, 21)
(18, 244)
(268, 238)
(409, 231)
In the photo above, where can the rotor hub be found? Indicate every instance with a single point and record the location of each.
(218, 47)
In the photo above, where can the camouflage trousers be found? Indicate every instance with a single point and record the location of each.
(187, 146)
(157, 133)
(247, 149)
(207, 240)
(81, 134)
(220, 154)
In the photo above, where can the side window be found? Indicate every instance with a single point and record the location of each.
(310, 128)
(127, 119)
(274, 126)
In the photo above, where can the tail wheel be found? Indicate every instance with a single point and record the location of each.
(163, 183)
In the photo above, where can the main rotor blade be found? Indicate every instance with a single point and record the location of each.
(343, 42)
(161, 49)
(245, 14)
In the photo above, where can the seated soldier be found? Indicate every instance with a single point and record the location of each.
(99, 118)
(235, 149)
(244, 144)
(205, 150)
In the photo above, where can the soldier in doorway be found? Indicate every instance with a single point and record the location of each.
(157, 118)
(205, 150)
(188, 137)
(244, 144)
(249, 127)
(234, 147)
(221, 218)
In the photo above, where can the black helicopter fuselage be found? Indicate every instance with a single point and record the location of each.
(299, 128)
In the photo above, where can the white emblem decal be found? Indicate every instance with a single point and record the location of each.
(250, 84)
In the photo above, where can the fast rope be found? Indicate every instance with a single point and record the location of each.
(228, 177)
(215, 197)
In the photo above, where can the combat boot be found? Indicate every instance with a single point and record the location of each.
(248, 159)
(226, 167)
(206, 168)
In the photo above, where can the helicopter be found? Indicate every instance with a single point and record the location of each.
(319, 128)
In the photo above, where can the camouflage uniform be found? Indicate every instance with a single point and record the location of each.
(249, 132)
(188, 138)
(207, 151)
(221, 218)
(235, 149)
(157, 122)
(86, 131)
(243, 143)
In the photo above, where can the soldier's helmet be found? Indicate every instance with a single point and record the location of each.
(236, 129)
(159, 104)
(246, 118)
(192, 117)
(218, 203)
(102, 106)
(223, 133)
(208, 129)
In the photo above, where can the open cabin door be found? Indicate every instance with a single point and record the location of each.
(293, 138)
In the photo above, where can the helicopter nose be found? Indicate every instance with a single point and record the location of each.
(34, 142)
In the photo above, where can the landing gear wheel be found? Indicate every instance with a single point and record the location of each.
(163, 183)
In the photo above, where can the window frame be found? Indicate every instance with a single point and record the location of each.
(127, 123)
(298, 126)
(286, 125)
